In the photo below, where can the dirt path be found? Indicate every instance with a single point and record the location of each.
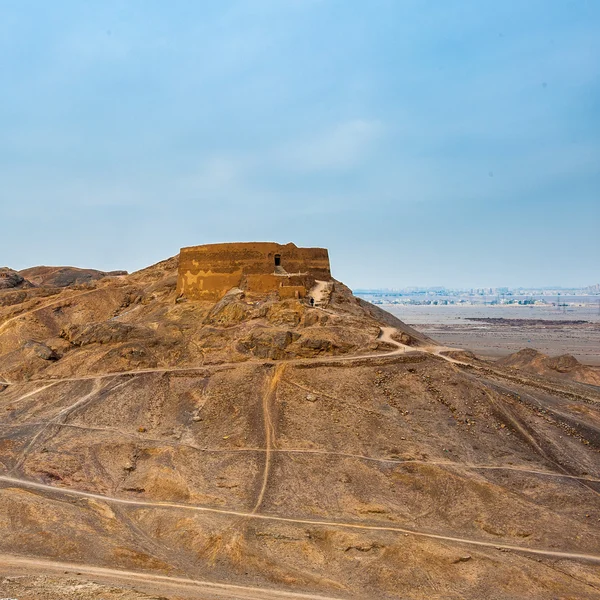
(320, 292)
(268, 397)
(384, 336)
(32, 393)
(154, 583)
(441, 463)
(595, 558)
(523, 430)
(58, 420)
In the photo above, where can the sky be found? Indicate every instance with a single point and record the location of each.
(431, 142)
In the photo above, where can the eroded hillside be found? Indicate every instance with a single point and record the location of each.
(265, 448)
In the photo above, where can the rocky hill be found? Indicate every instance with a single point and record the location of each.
(265, 448)
(65, 276)
(564, 366)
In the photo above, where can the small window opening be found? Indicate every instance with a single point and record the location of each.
(278, 260)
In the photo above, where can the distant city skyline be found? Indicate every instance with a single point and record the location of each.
(591, 289)
(452, 143)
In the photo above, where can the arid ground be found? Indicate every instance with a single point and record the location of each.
(494, 332)
(257, 449)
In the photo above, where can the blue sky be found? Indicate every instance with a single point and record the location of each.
(423, 142)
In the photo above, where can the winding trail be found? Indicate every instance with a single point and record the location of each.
(166, 583)
(322, 452)
(46, 425)
(57, 420)
(320, 293)
(269, 396)
(384, 336)
(595, 558)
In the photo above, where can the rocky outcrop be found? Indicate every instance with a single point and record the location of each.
(268, 343)
(10, 279)
(230, 310)
(287, 312)
(104, 333)
(41, 350)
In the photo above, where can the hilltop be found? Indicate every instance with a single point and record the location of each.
(279, 443)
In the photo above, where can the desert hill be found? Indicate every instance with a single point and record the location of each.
(65, 276)
(259, 447)
(564, 366)
(51, 277)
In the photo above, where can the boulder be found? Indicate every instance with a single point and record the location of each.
(230, 310)
(41, 350)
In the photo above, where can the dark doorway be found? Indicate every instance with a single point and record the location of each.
(278, 260)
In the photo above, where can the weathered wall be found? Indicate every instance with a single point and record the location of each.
(208, 272)
(292, 291)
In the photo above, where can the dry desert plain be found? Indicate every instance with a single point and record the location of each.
(496, 331)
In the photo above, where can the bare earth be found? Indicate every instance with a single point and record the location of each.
(454, 326)
(262, 449)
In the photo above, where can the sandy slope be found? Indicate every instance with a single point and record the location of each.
(264, 449)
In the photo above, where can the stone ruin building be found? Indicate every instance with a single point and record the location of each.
(208, 272)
